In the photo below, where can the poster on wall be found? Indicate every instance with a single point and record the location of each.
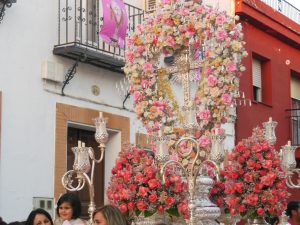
(115, 22)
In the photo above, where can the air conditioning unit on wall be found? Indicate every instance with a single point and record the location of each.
(53, 71)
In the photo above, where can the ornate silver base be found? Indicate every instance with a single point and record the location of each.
(257, 221)
(151, 220)
(205, 212)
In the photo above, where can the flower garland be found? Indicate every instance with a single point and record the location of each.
(214, 42)
(135, 186)
(254, 182)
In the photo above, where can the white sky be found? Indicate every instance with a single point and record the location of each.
(295, 3)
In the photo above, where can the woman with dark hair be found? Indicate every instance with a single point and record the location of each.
(39, 217)
(69, 210)
(108, 215)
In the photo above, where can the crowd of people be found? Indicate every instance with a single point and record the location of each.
(69, 211)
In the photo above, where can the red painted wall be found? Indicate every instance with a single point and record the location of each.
(276, 42)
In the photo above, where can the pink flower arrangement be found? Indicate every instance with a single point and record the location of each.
(135, 186)
(212, 34)
(254, 182)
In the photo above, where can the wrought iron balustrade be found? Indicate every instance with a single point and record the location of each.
(3, 4)
(285, 8)
(79, 23)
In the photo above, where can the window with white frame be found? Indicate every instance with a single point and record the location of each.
(150, 5)
(295, 113)
(257, 79)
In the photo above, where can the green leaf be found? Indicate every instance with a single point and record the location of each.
(149, 213)
(226, 210)
(173, 212)
(137, 212)
(243, 214)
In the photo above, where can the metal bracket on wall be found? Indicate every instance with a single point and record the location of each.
(126, 97)
(3, 4)
(71, 72)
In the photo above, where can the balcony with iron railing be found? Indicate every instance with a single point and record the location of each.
(285, 8)
(79, 23)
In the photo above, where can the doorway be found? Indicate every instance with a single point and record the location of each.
(77, 134)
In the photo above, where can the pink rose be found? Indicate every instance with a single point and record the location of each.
(131, 205)
(260, 211)
(238, 187)
(182, 207)
(147, 67)
(178, 188)
(220, 34)
(267, 164)
(220, 19)
(160, 209)
(248, 177)
(137, 96)
(232, 202)
(204, 141)
(208, 71)
(152, 198)
(143, 191)
(130, 41)
(140, 49)
(204, 115)
(149, 171)
(170, 201)
(231, 67)
(130, 56)
(138, 177)
(226, 98)
(169, 22)
(211, 81)
(250, 164)
(242, 208)
(171, 41)
(123, 208)
(251, 199)
(141, 205)
(153, 183)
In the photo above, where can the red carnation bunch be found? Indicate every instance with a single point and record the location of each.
(254, 182)
(135, 186)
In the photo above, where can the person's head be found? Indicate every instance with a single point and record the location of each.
(274, 220)
(293, 210)
(108, 215)
(2, 222)
(68, 206)
(39, 217)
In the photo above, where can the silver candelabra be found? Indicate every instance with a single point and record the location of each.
(82, 165)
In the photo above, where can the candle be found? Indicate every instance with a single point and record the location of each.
(101, 114)
(270, 119)
(79, 143)
(289, 143)
(83, 144)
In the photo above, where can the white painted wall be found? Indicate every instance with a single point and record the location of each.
(27, 36)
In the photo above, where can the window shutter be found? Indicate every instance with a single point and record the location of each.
(150, 5)
(256, 73)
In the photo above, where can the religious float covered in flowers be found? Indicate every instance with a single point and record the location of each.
(183, 64)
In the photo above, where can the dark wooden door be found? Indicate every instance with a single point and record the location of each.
(75, 135)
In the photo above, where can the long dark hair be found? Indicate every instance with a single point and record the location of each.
(35, 212)
(74, 202)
